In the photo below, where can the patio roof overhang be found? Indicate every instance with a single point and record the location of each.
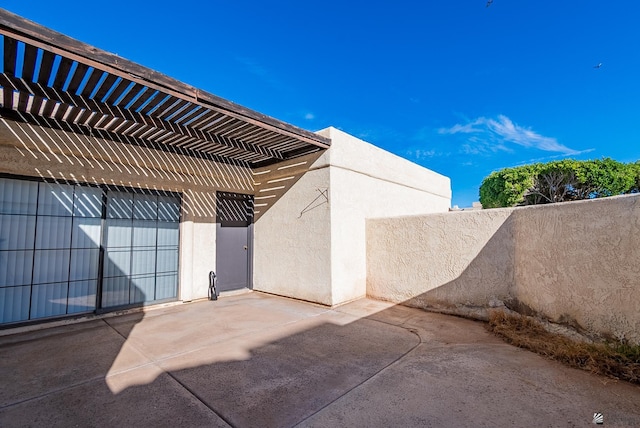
(51, 79)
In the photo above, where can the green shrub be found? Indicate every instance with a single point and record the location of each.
(559, 181)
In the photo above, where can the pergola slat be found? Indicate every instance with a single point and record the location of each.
(84, 116)
(135, 90)
(45, 67)
(215, 125)
(201, 122)
(36, 105)
(29, 63)
(105, 87)
(63, 72)
(23, 99)
(172, 109)
(78, 77)
(91, 83)
(48, 108)
(7, 92)
(94, 120)
(119, 89)
(124, 113)
(61, 111)
(157, 101)
(146, 95)
(229, 127)
(10, 52)
(133, 102)
(11, 83)
(190, 114)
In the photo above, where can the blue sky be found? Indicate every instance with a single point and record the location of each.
(455, 86)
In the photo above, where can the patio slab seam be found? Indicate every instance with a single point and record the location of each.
(367, 380)
(53, 391)
(157, 362)
(153, 362)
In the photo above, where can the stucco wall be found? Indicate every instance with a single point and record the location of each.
(367, 182)
(33, 151)
(197, 257)
(572, 263)
(579, 263)
(455, 262)
(313, 247)
(292, 247)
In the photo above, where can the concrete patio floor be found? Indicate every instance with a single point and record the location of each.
(265, 361)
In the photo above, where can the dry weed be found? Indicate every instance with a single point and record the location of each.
(617, 360)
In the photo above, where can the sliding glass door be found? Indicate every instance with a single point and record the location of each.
(68, 249)
(141, 248)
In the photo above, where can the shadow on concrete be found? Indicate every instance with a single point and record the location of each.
(264, 361)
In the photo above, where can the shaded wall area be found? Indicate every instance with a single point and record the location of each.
(57, 153)
(571, 263)
(311, 243)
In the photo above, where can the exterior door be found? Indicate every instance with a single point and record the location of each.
(141, 237)
(234, 217)
(68, 249)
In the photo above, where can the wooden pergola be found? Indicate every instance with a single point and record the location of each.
(56, 81)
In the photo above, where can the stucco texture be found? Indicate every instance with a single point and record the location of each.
(313, 247)
(453, 262)
(571, 263)
(52, 154)
(292, 247)
(368, 182)
(578, 263)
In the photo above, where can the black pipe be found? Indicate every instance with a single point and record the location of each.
(213, 292)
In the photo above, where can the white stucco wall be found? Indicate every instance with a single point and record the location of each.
(578, 263)
(573, 263)
(197, 258)
(366, 182)
(292, 250)
(320, 256)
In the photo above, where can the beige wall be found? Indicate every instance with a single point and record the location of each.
(309, 233)
(573, 263)
(367, 182)
(314, 248)
(454, 262)
(292, 247)
(32, 151)
(579, 263)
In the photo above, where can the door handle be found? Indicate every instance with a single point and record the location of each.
(245, 247)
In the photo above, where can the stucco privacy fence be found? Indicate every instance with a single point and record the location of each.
(317, 228)
(574, 264)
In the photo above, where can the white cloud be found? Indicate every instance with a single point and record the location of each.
(309, 116)
(419, 154)
(548, 158)
(471, 149)
(494, 135)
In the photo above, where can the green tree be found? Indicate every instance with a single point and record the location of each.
(559, 181)
(506, 188)
(555, 181)
(635, 171)
(606, 177)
